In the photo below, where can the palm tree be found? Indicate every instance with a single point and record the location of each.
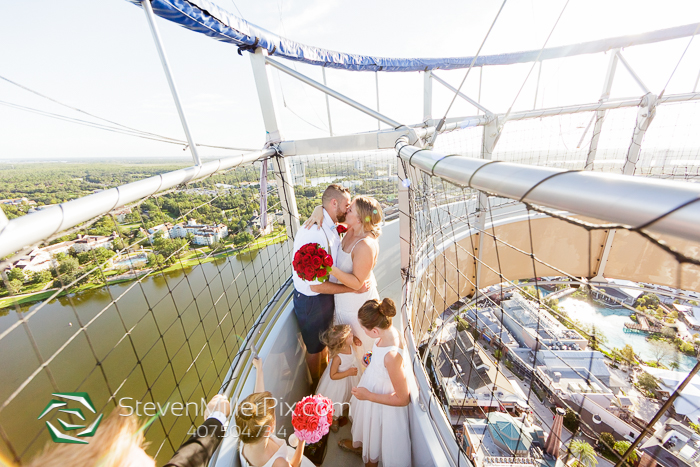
(584, 452)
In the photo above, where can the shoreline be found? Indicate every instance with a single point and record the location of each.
(32, 297)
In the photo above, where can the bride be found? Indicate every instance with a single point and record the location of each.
(355, 263)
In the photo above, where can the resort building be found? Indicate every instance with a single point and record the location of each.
(470, 381)
(674, 445)
(164, 230)
(203, 234)
(616, 293)
(686, 404)
(90, 242)
(36, 260)
(583, 362)
(485, 321)
(690, 315)
(120, 214)
(536, 328)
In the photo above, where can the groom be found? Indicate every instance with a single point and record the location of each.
(314, 308)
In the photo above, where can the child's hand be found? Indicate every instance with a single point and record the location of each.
(352, 371)
(257, 363)
(356, 340)
(361, 393)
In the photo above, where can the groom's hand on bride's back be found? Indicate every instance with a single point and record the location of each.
(365, 287)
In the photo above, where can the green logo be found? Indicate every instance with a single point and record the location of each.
(81, 397)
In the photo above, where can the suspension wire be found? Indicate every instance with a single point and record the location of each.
(117, 128)
(441, 123)
(679, 62)
(505, 118)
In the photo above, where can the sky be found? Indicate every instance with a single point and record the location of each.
(99, 56)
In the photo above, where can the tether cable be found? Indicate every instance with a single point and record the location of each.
(441, 123)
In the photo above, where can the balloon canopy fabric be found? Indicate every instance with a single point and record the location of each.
(205, 17)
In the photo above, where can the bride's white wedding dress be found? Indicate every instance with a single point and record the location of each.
(347, 304)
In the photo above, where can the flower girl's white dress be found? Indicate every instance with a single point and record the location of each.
(339, 391)
(382, 429)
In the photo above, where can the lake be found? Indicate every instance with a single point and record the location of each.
(195, 319)
(611, 323)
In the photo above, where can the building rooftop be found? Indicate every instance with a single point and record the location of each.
(674, 445)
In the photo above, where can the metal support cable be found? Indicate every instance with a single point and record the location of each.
(441, 123)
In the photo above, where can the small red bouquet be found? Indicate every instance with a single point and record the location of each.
(311, 262)
(312, 418)
(341, 229)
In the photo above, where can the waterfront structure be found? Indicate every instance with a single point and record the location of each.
(616, 295)
(202, 234)
(674, 445)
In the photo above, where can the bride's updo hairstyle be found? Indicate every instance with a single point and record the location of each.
(253, 415)
(370, 213)
(376, 314)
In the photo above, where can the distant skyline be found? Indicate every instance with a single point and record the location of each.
(99, 57)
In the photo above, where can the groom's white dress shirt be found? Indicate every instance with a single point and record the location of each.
(327, 237)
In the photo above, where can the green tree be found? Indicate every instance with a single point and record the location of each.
(101, 254)
(39, 277)
(498, 354)
(621, 447)
(16, 274)
(606, 441)
(84, 257)
(14, 286)
(68, 269)
(243, 238)
(462, 324)
(648, 382)
(584, 453)
(674, 365)
(661, 350)
(686, 348)
(627, 353)
(571, 420)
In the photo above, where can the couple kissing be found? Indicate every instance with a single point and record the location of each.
(347, 229)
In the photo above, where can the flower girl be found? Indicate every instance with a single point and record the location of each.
(380, 428)
(341, 375)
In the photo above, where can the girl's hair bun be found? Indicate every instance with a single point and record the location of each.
(387, 308)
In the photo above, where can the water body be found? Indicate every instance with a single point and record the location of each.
(611, 323)
(164, 323)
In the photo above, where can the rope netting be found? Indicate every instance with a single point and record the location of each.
(509, 320)
(143, 311)
(153, 306)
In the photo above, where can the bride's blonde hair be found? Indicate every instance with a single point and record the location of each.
(370, 213)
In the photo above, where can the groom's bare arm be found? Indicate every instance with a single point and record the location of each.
(332, 288)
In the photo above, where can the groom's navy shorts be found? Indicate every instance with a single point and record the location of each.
(315, 315)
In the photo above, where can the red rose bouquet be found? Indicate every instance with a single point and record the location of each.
(311, 262)
(312, 418)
